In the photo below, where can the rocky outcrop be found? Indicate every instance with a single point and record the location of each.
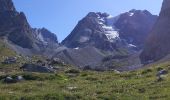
(6, 5)
(45, 36)
(37, 68)
(158, 43)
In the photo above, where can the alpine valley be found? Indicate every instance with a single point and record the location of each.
(105, 57)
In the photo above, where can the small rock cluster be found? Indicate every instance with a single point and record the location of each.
(160, 74)
(43, 66)
(37, 68)
(10, 79)
(10, 60)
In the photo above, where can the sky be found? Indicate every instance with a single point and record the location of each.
(61, 16)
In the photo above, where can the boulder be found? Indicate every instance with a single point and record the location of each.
(10, 60)
(9, 80)
(37, 68)
(162, 72)
(19, 78)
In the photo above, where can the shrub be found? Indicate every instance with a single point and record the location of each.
(74, 71)
(141, 90)
(53, 97)
(146, 71)
(159, 68)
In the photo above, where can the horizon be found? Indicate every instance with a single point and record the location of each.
(60, 20)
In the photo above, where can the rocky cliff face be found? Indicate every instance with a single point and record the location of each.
(15, 28)
(106, 32)
(14, 25)
(158, 43)
(6, 5)
(45, 36)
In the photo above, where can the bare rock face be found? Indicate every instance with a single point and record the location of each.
(14, 25)
(158, 42)
(6, 5)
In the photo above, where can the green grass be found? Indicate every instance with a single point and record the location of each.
(89, 85)
(73, 84)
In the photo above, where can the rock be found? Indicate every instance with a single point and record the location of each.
(71, 88)
(10, 60)
(56, 61)
(6, 5)
(19, 78)
(37, 68)
(162, 72)
(9, 80)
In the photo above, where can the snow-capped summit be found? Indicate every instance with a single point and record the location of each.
(105, 31)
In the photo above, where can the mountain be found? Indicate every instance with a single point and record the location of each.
(19, 35)
(101, 41)
(158, 42)
(135, 25)
(106, 32)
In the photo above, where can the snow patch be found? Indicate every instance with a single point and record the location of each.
(131, 45)
(131, 14)
(84, 39)
(76, 48)
(110, 33)
(107, 23)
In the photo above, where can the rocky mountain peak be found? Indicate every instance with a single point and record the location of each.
(6, 5)
(106, 32)
(45, 36)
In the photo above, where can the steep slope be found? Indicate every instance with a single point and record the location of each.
(20, 36)
(158, 43)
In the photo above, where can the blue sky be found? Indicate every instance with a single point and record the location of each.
(61, 16)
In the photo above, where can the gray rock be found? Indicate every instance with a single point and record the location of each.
(19, 78)
(37, 68)
(162, 72)
(10, 60)
(9, 80)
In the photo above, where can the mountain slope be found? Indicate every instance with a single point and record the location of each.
(158, 43)
(20, 36)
